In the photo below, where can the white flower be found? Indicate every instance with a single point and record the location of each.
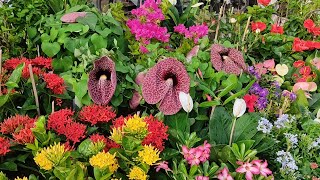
(186, 101)
(173, 2)
(239, 107)
(197, 4)
(232, 20)
(317, 119)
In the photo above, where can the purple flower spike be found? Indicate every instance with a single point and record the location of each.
(227, 59)
(102, 81)
(162, 84)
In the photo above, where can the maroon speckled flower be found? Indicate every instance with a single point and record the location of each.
(72, 17)
(102, 81)
(162, 84)
(227, 59)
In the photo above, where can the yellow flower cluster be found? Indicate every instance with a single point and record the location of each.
(137, 173)
(149, 155)
(18, 178)
(116, 135)
(104, 160)
(50, 156)
(136, 126)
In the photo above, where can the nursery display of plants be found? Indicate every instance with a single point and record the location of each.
(162, 90)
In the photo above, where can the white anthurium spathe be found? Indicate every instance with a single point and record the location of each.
(186, 101)
(239, 107)
(317, 119)
(173, 2)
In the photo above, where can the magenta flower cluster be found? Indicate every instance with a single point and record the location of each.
(254, 168)
(194, 32)
(195, 156)
(145, 24)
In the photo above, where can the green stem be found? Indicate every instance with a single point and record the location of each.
(232, 130)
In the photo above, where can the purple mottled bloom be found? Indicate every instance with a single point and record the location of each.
(255, 88)
(264, 92)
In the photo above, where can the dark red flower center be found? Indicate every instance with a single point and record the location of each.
(171, 77)
(103, 75)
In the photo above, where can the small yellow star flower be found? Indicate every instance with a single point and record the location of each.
(104, 160)
(149, 155)
(18, 178)
(137, 173)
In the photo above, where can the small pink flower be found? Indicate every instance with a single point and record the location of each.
(224, 175)
(260, 69)
(202, 178)
(263, 167)
(162, 165)
(269, 64)
(249, 169)
(144, 50)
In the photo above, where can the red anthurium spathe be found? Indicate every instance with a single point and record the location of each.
(258, 27)
(264, 2)
(277, 29)
(250, 101)
(306, 70)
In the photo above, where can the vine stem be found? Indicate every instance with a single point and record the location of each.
(232, 130)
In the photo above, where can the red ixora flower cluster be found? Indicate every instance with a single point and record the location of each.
(108, 142)
(54, 82)
(304, 72)
(39, 65)
(19, 127)
(157, 131)
(62, 122)
(301, 45)
(250, 101)
(96, 113)
(5, 146)
(311, 27)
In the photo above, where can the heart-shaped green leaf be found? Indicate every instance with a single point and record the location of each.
(50, 49)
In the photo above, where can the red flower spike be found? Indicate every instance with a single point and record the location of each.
(102, 81)
(96, 114)
(277, 29)
(5, 146)
(298, 64)
(227, 59)
(163, 82)
(306, 70)
(308, 24)
(250, 101)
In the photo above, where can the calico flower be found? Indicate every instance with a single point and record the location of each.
(5, 146)
(96, 114)
(102, 81)
(149, 155)
(163, 82)
(104, 160)
(137, 173)
(228, 60)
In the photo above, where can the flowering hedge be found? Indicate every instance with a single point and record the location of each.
(160, 92)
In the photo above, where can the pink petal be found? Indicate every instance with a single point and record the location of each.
(72, 17)
(269, 64)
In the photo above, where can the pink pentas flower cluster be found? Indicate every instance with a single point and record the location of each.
(193, 32)
(145, 25)
(256, 167)
(195, 156)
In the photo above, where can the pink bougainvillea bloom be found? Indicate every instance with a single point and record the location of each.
(102, 81)
(144, 50)
(192, 53)
(227, 59)
(249, 169)
(162, 84)
(72, 17)
(162, 165)
(224, 175)
(135, 100)
(202, 178)
(263, 167)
